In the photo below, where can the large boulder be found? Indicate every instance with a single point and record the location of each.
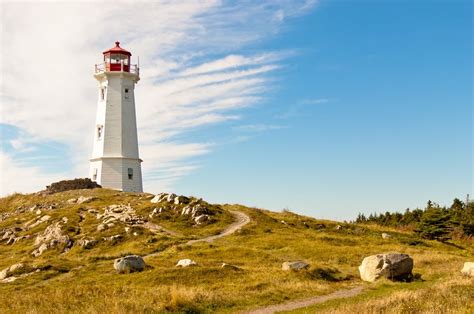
(394, 266)
(129, 264)
(468, 269)
(297, 265)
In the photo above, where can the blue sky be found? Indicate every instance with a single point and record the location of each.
(327, 108)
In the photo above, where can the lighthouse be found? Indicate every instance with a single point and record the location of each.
(115, 161)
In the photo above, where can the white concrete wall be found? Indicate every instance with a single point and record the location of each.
(117, 149)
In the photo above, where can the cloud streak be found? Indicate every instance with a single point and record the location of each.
(194, 73)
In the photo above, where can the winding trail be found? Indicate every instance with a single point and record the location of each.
(298, 304)
(241, 220)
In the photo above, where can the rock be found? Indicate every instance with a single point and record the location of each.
(84, 199)
(181, 200)
(386, 236)
(7, 272)
(297, 265)
(284, 222)
(228, 266)
(185, 263)
(101, 227)
(394, 266)
(468, 269)
(38, 212)
(201, 219)
(338, 227)
(114, 239)
(129, 264)
(158, 198)
(43, 247)
(87, 243)
(170, 198)
(71, 201)
(52, 233)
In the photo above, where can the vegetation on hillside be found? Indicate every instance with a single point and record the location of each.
(433, 222)
(81, 279)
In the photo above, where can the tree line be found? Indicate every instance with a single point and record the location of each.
(433, 222)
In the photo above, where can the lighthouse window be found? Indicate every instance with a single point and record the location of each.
(94, 175)
(130, 173)
(99, 132)
(126, 93)
(102, 93)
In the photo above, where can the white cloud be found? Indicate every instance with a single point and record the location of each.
(16, 177)
(192, 73)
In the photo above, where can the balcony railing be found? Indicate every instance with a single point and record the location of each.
(117, 67)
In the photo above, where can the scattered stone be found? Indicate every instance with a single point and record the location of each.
(84, 199)
(38, 212)
(185, 263)
(87, 243)
(114, 239)
(71, 201)
(386, 236)
(101, 227)
(394, 266)
(284, 222)
(51, 237)
(338, 227)
(129, 264)
(468, 269)
(229, 266)
(40, 250)
(201, 219)
(297, 265)
(7, 272)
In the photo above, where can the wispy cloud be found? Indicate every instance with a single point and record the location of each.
(193, 72)
(296, 109)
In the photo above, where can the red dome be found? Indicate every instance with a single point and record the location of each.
(117, 49)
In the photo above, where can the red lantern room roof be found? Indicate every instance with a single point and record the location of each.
(118, 49)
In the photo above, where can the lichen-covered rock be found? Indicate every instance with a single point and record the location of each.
(468, 269)
(129, 264)
(394, 266)
(296, 265)
(386, 236)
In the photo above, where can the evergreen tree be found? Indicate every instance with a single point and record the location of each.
(435, 225)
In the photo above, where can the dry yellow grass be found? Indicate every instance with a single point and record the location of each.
(83, 281)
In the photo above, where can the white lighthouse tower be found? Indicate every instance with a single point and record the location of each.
(115, 163)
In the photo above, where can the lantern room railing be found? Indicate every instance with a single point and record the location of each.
(108, 67)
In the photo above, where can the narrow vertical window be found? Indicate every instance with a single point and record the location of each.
(130, 173)
(99, 131)
(94, 174)
(125, 93)
(102, 93)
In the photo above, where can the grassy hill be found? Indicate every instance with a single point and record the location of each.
(71, 278)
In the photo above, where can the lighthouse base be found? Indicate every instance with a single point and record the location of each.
(117, 173)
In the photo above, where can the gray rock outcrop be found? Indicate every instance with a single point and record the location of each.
(129, 264)
(394, 266)
(51, 237)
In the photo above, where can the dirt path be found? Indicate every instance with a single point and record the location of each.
(293, 305)
(241, 220)
(157, 228)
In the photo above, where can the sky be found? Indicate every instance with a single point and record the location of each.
(326, 108)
